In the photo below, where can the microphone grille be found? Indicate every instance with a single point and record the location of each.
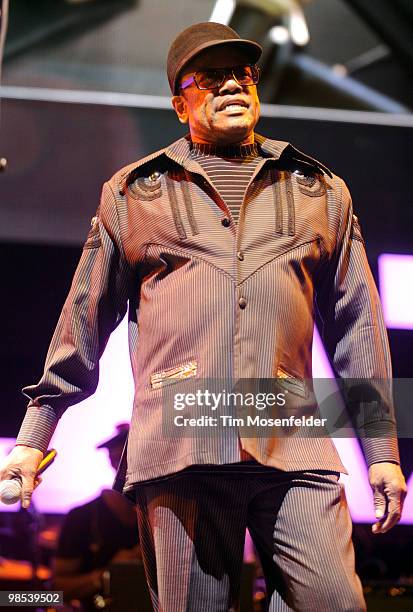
(10, 491)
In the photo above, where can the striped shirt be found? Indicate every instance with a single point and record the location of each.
(230, 169)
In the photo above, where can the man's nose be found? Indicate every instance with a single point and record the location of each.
(229, 85)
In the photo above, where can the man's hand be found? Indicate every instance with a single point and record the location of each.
(389, 491)
(23, 462)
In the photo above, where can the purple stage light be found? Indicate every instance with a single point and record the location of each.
(396, 293)
(396, 289)
(80, 471)
(358, 491)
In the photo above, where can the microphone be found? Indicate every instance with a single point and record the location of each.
(10, 490)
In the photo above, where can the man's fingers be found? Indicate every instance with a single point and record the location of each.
(395, 507)
(390, 521)
(380, 503)
(26, 499)
(28, 487)
(395, 512)
(389, 492)
(380, 507)
(22, 464)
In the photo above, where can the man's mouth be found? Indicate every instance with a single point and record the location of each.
(233, 106)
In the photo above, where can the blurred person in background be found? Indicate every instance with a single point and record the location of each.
(95, 535)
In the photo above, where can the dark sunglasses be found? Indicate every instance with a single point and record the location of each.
(247, 74)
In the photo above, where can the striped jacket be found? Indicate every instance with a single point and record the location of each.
(209, 299)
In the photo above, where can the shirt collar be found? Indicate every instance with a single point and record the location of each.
(179, 152)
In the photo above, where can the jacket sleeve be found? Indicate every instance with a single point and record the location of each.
(355, 338)
(95, 305)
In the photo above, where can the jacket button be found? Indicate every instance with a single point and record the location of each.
(154, 176)
(240, 256)
(225, 222)
(242, 302)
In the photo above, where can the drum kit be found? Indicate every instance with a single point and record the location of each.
(25, 575)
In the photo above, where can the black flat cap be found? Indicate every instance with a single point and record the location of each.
(200, 36)
(118, 439)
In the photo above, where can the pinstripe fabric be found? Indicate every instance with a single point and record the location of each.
(192, 530)
(158, 241)
(229, 168)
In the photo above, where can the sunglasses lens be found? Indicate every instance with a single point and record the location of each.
(245, 75)
(209, 79)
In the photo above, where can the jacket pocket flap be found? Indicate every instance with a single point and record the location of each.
(172, 375)
(291, 383)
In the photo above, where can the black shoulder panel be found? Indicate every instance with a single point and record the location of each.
(293, 159)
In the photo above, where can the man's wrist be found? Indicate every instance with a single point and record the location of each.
(37, 427)
(31, 448)
(380, 450)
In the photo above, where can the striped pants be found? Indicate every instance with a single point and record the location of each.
(192, 529)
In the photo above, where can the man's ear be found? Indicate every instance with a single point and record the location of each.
(181, 109)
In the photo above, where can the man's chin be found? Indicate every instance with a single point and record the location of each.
(234, 131)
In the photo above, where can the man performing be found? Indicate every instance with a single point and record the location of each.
(224, 244)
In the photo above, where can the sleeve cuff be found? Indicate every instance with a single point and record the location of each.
(37, 427)
(377, 450)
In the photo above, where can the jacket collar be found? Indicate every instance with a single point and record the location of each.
(179, 152)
